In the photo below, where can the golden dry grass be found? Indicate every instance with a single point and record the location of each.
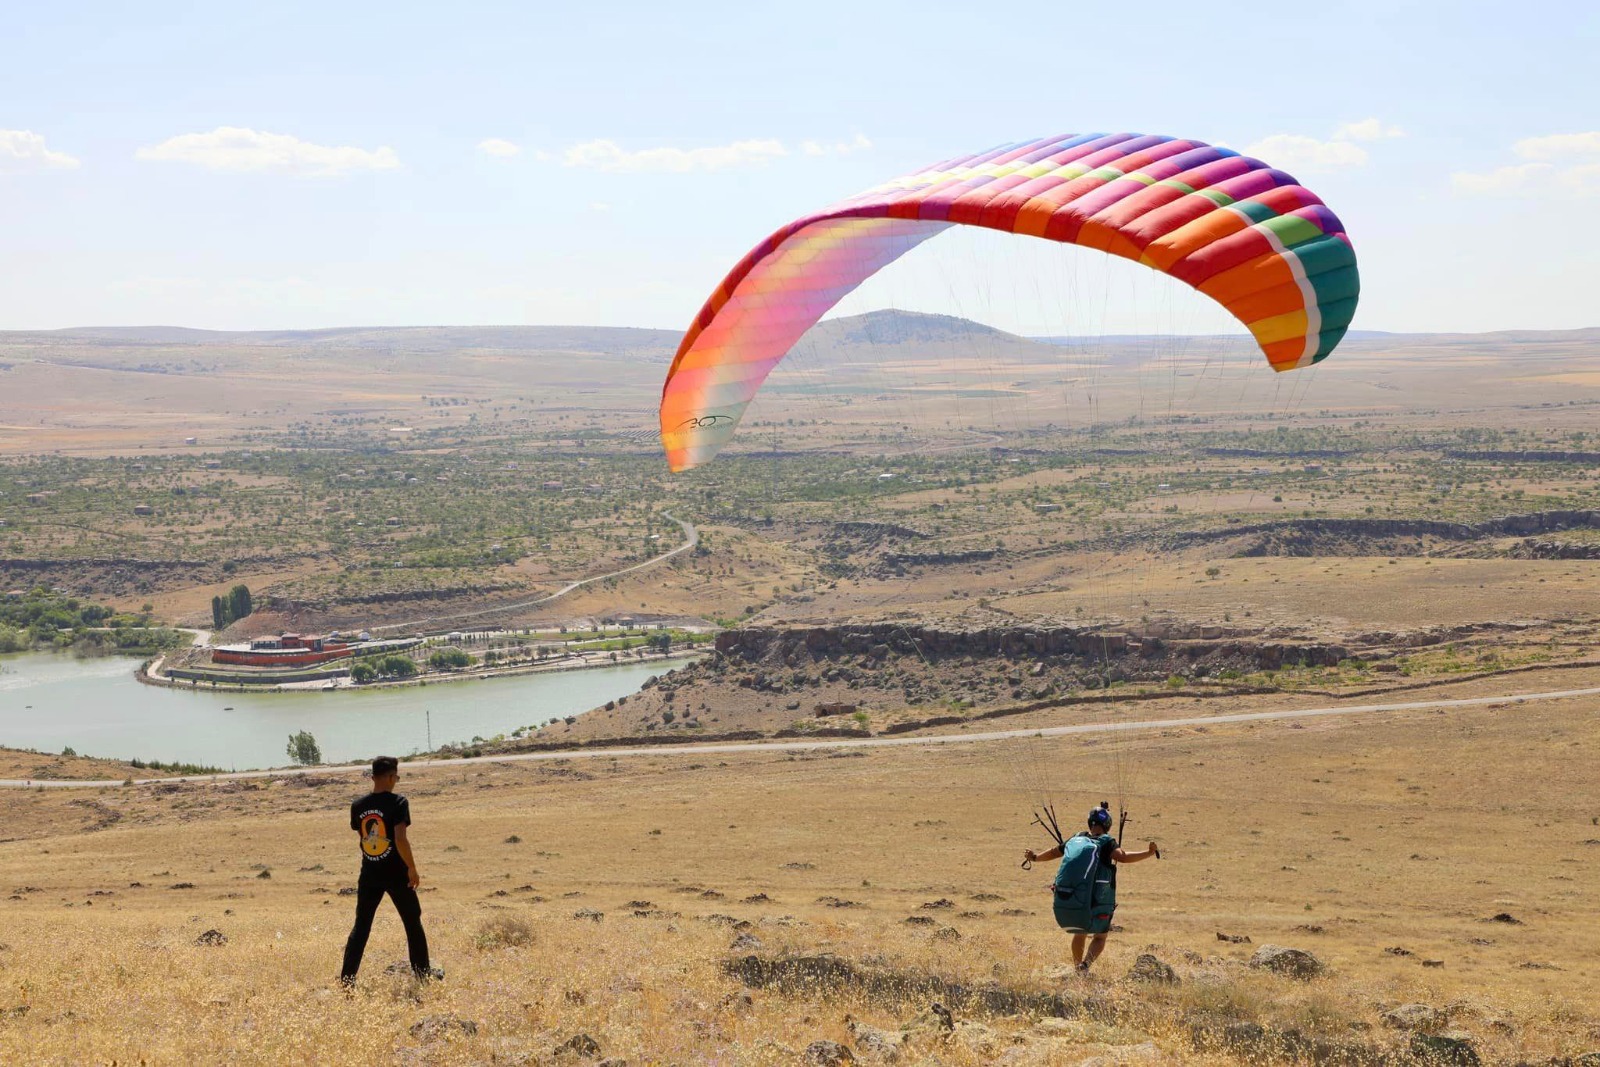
(1347, 837)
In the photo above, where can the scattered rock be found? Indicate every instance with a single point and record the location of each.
(1504, 917)
(936, 1019)
(439, 1025)
(1309, 928)
(347, 891)
(212, 937)
(643, 905)
(1147, 968)
(799, 866)
(1242, 1035)
(937, 905)
(828, 1054)
(578, 1046)
(1453, 1048)
(947, 933)
(875, 1042)
(746, 943)
(987, 898)
(181, 885)
(1396, 950)
(513, 840)
(589, 913)
(921, 920)
(1233, 939)
(758, 898)
(1433, 963)
(1423, 1018)
(1290, 962)
(978, 1038)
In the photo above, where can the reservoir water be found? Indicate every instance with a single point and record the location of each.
(50, 701)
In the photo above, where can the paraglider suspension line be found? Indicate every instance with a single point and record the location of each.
(1046, 817)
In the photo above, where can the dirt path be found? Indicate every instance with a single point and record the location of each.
(876, 742)
(691, 539)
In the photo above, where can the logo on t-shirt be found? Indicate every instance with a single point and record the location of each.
(374, 838)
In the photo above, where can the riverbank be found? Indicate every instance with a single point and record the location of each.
(153, 672)
(50, 703)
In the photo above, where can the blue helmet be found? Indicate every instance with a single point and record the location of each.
(1100, 816)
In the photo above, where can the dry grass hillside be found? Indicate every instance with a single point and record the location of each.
(739, 909)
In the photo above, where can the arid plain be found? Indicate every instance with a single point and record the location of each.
(1177, 496)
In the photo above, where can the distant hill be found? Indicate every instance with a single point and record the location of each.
(887, 328)
(606, 339)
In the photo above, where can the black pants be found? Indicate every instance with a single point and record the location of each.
(368, 897)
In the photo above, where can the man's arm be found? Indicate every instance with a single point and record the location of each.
(402, 841)
(1122, 856)
(1034, 857)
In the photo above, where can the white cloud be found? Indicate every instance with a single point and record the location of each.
(1292, 151)
(1583, 180)
(1523, 177)
(235, 148)
(495, 146)
(1367, 130)
(838, 148)
(1564, 164)
(1557, 145)
(23, 150)
(609, 156)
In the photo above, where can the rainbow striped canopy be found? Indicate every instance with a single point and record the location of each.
(1248, 236)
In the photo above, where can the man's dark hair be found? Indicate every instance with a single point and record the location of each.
(384, 765)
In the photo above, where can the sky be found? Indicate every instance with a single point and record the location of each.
(298, 165)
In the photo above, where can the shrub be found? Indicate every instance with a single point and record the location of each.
(502, 931)
(303, 749)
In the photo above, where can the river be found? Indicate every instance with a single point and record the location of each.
(49, 701)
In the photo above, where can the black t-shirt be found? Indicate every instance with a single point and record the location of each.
(375, 817)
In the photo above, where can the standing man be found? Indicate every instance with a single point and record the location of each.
(1085, 888)
(382, 819)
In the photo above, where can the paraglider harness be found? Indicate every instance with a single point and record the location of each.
(1046, 818)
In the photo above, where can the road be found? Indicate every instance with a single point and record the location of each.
(875, 742)
(691, 538)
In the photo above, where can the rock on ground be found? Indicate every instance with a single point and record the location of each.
(1454, 1049)
(828, 1054)
(1148, 968)
(1291, 962)
(1421, 1017)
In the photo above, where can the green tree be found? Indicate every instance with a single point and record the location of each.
(396, 667)
(449, 659)
(303, 749)
(363, 672)
(219, 613)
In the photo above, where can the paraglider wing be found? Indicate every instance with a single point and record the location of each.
(1248, 236)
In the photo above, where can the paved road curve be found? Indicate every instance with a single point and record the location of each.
(876, 742)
